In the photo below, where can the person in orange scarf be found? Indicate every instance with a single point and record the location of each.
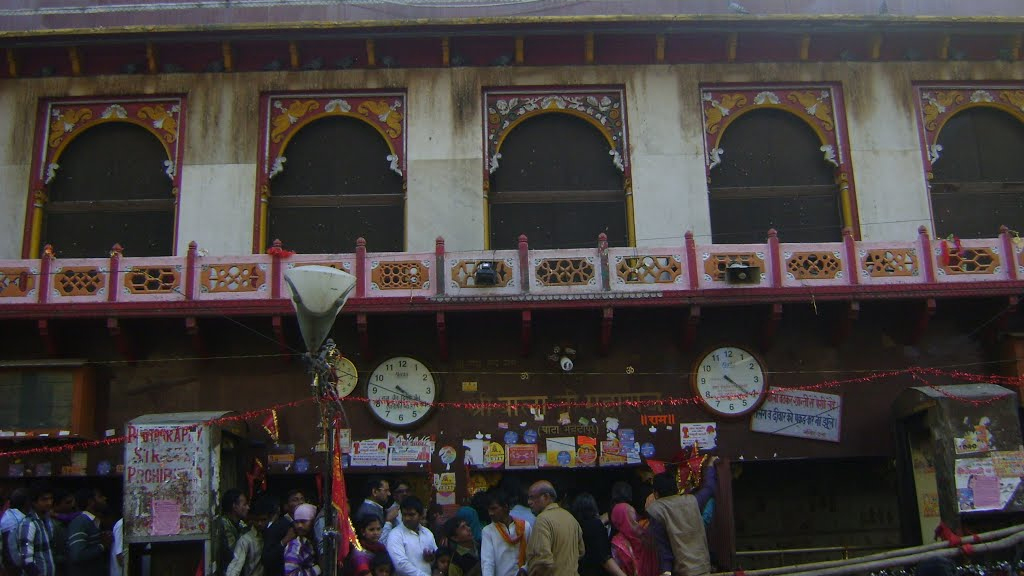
(504, 540)
(632, 548)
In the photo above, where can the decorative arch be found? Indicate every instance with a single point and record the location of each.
(602, 107)
(60, 121)
(973, 193)
(820, 106)
(937, 104)
(282, 115)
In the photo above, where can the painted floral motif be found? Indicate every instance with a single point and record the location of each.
(65, 121)
(162, 119)
(1014, 98)
(289, 115)
(384, 111)
(816, 105)
(766, 98)
(981, 96)
(604, 108)
(717, 109)
(937, 103)
(386, 114)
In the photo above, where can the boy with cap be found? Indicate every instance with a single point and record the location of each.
(300, 555)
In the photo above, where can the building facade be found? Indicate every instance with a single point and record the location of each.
(633, 192)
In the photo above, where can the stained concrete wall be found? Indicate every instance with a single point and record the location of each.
(445, 154)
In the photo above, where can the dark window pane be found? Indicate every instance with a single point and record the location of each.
(92, 234)
(773, 175)
(797, 218)
(978, 180)
(112, 161)
(34, 400)
(558, 224)
(323, 230)
(336, 157)
(559, 164)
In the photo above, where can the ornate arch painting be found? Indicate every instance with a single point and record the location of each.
(937, 103)
(820, 106)
(60, 121)
(603, 107)
(282, 115)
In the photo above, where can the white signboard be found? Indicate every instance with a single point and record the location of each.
(799, 413)
(165, 480)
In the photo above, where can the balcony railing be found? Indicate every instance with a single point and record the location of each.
(684, 273)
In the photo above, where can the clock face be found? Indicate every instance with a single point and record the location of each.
(397, 380)
(345, 374)
(730, 381)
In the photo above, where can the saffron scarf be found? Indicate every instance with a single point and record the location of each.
(520, 537)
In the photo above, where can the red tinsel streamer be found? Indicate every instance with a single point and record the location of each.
(915, 372)
(278, 251)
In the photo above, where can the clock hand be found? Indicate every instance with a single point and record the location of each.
(398, 393)
(402, 390)
(733, 382)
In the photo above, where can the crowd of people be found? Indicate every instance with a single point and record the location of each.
(506, 531)
(48, 532)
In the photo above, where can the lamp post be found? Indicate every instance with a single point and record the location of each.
(318, 294)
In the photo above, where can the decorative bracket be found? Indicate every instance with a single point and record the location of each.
(602, 107)
(49, 338)
(937, 103)
(607, 315)
(198, 343)
(690, 328)
(770, 326)
(442, 337)
(121, 339)
(364, 335)
(848, 313)
(525, 333)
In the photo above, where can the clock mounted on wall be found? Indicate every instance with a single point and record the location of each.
(397, 380)
(730, 381)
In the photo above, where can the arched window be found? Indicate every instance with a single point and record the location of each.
(111, 186)
(773, 174)
(558, 184)
(337, 186)
(978, 174)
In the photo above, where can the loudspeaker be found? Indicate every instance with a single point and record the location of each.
(318, 294)
(738, 273)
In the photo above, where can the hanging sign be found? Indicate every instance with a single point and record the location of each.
(799, 413)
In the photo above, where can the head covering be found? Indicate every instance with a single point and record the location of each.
(634, 550)
(473, 519)
(305, 512)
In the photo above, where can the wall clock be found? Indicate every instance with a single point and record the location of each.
(730, 381)
(401, 378)
(346, 377)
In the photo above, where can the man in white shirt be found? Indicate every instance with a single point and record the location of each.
(411, 546)
(117, 550)
(9, 526)
(503, 549)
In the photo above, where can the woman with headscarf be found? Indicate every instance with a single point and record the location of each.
(631, 548)
(468, 513)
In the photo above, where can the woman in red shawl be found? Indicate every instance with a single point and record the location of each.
(632, 550)
(358, 562)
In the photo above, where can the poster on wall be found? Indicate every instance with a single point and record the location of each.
(976, 438)
(799, 413)
(404, 449)
(372, 452)
(474, 455)
(586, 451)
(979, 485)
(444, 484)
(561, 451)
(702, 434)
(521, 456)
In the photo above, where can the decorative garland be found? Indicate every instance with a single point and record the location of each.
(917, 373)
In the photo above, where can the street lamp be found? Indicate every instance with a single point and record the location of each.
(318, 294)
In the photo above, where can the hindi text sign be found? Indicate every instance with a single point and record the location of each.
(799, 413)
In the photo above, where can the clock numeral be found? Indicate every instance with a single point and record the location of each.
(414, 413)
(728, 353)
(751, 367)
(379, 377)
(403, 364)
(757, 380)
(428, 390)
(703, 381)
(714, 357)
(744, 402)
(707, 367)
(425, 377)
(389, 367)
(377, 403)
(387, 413)
(401, 417)
(732, 407)
(374, 390)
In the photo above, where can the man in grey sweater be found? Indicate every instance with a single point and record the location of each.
(88, 546)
